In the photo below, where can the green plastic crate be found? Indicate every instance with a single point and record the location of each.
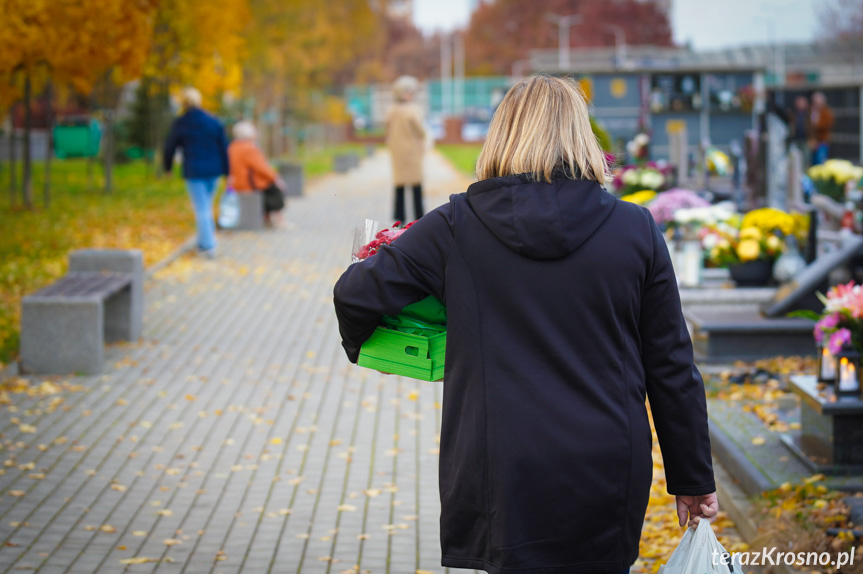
(405, 354)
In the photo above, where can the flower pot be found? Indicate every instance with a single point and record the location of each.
(752, 273)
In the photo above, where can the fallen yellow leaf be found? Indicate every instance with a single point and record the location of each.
(138, 560)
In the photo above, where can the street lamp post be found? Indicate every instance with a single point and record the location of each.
(619, 44)
(563, 25)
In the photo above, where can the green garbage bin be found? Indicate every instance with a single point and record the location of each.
(77, 140)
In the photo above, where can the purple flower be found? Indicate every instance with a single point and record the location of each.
(838, 340)
(827, 323)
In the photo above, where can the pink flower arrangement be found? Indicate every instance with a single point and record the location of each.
(826, 325)
(838, 340)
(666, 203)
(841, 323)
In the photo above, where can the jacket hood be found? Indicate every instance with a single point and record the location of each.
(537, 219)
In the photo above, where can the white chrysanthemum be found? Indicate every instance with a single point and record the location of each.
(710, 241)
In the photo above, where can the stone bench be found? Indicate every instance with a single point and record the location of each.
(344, 162)
(64, 327)
(251, 211)
(292, 174)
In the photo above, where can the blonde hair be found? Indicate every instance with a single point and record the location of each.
(541, 126)
(405, 87)
(191, 98)
(244, 130)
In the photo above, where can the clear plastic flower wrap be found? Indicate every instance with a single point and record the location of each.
(413, 342)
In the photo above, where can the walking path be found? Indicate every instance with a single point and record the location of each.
(235, 437)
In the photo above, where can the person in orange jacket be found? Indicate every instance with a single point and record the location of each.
(822, 120)
(249, 169)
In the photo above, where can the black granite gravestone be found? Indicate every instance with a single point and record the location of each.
(721, 335)
(800, 293)
(831, 429)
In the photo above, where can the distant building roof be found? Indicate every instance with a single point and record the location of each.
(833, 62)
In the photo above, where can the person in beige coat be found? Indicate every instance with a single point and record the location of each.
(406, 142)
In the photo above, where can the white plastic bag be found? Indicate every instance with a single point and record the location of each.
(229, 209)
(699, 551)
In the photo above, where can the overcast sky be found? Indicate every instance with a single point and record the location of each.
(704, 23)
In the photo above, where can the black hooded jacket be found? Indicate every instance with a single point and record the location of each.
(563, 317)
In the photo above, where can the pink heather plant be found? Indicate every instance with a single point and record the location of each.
(666, 203)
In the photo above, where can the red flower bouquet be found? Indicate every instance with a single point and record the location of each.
(412, 343)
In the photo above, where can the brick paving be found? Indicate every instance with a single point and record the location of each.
(235, 437)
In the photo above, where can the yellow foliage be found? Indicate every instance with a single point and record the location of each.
(297, 46)
(199, 43)
(73, 42)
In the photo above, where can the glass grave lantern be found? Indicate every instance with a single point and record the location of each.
(847, 373)
(826, 362)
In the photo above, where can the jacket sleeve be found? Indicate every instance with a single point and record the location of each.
(674, 385)
(170, 149)
(410, 269)
(258, 164)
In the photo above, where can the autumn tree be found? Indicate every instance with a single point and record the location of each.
(502, 32)
(298, 48)
(68, 42)
(196, 43)
(842, 19)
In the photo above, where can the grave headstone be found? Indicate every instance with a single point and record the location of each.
(800, 293)
(679, 150)
(795, 175)
(777, 162)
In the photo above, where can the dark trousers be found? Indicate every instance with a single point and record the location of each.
(399, 212)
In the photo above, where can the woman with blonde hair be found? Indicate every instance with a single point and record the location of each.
(205, 159)
(406, 142)
(564, 316)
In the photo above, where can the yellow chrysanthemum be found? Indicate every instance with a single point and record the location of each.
(751, 233)
(768, 220)
(748, 250)
(640, 197)
(774, 243)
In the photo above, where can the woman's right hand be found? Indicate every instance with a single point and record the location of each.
(695, 508)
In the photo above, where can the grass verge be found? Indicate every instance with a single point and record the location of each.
(462, 156)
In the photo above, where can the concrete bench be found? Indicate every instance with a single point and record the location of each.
(344, 162)
(64, 327)
(292, 174)
(251, 211)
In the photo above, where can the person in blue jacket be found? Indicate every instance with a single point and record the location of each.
(563, 319)
(205, 159)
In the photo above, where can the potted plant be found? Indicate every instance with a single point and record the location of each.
(831, 177)
(750, 250)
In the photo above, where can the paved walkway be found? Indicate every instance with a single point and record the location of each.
(235, 436)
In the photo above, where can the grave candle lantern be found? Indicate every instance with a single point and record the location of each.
(826, 363)
(847, 373)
